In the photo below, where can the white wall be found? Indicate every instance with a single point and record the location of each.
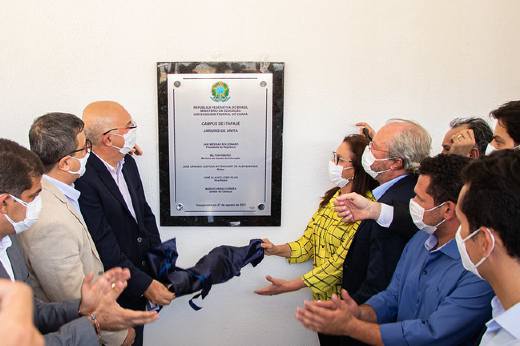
(346, 61)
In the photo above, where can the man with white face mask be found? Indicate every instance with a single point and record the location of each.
(114, 206)
(430, 289)
(392, 159)
(488, 238)
(58, 250)
(71, 322)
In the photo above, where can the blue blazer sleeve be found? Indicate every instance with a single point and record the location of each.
(402, 222)
(385, 252)
(61, 325)
(375, 250)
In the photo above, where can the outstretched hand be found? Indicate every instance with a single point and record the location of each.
(353, 207)
(280, 286)
(276, 287)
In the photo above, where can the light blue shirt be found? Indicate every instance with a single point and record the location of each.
(504, 328)
(432, 299)
(381, 189)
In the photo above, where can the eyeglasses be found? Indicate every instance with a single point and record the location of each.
(336, 159)
(371, 146)
(87, 148)
(132, 125)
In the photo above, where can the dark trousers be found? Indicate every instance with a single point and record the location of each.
(329, 340)
(138, 336)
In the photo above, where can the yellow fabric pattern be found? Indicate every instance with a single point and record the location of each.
(326, 240)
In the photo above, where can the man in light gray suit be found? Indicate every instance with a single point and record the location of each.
(58, 249)
(76, 322)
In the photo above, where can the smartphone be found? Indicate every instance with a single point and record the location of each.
(365, 132)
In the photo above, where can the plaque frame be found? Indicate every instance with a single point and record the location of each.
(277, 70)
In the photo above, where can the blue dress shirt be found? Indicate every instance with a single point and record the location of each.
(432, 299)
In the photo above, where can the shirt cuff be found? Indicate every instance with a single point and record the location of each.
(392, 334)
(387, 215)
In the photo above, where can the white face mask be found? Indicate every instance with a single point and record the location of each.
(130, 139)
(466, 261)
(368, 159)
(336, 175)
(417, 213)
(32, 212)
(83, 165)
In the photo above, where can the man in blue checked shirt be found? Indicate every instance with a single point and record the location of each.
(432, 299)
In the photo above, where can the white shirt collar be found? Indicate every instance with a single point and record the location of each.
(5, 243)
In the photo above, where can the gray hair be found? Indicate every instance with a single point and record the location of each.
(53, 136)
(94, 131)
(412, 144)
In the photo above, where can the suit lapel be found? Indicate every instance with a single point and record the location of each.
(17, 262)
(130, 182)
(51, 188)
(3, 273)
(107, 180)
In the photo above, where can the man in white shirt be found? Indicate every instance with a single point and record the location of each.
(489, 240)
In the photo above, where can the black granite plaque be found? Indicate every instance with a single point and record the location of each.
(220, 143)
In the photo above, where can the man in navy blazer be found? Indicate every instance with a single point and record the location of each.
(114, 206)
(393, 159)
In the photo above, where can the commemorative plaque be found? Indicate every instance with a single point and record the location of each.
(220, 139)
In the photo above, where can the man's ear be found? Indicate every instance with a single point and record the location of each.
(63, 163)
(3, 204)
(489, 239)
(398, 164)
(449, 212)
(106, 140)
(474, 153)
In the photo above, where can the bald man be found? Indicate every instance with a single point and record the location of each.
(114, 206)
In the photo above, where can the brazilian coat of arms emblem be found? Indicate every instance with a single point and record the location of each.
(220, 92)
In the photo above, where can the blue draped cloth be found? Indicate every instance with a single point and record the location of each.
(219, 265)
